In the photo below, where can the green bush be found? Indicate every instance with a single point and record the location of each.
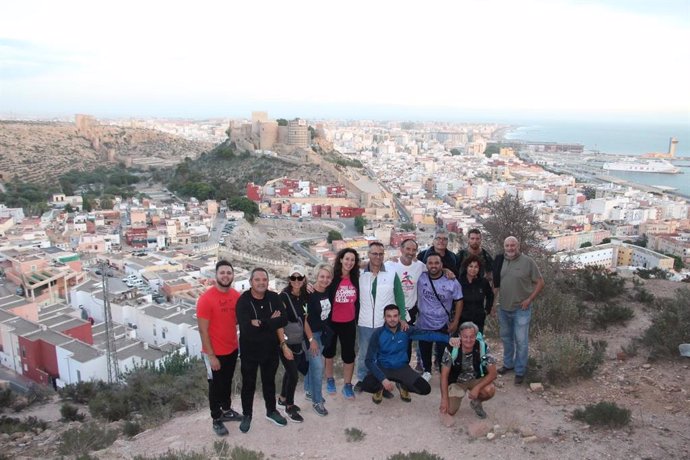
(111, 405)
(595, 283)
(609, 314)
(82, 392)
(11, 425)
(131, 428)
(562, 358)
(603, 414)
(419, 455)
(670, 326)
(222, 451)
(7, 398)
(70, 413)
(642, 295)
(354, 434)
(38, 394)
(86, 438)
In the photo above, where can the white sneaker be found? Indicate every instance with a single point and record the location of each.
(426, 376)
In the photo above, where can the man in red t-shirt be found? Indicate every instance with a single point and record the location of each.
(215, 311)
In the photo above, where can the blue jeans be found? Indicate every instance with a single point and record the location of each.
(314, 377)
(515, 337)
(363, 337)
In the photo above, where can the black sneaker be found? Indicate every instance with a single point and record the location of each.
(276, 418)
(388, 395)
(519, 379)
(281, 404)
(219, 428)
(246, 423)
(231, 415)
(293, 415)
(504, 370)
(358, 387)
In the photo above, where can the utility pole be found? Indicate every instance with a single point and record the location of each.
(110, 348)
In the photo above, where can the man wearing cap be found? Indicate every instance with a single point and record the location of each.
(215, 312)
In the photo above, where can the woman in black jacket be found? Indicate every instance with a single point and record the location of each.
(477, 293)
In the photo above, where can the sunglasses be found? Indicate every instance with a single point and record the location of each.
(297, 278)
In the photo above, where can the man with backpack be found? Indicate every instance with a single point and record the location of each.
(469, 370)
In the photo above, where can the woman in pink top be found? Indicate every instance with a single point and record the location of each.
(344, 295)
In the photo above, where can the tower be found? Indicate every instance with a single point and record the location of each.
(672, 147)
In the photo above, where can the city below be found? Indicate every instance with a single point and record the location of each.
(92, 293)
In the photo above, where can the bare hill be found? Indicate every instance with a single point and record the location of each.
(39, 152)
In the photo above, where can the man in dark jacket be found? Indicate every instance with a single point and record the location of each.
(260, 314)
(387, 358)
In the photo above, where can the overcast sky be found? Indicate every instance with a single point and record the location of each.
(360, 59)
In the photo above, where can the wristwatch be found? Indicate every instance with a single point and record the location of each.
(311, 339)
(285, 337)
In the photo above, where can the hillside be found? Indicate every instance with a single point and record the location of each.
(39, 152)
(521, 423)
(225, 171)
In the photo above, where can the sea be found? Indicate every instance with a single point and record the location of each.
(634, 138)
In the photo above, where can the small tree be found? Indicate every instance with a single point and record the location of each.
(511, 217)
(606, 241)
(360, 223)
(334, 235)
(586, 244)
(69, 208)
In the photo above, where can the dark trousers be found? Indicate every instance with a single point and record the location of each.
(413, 317)
(290, 377)
(425, 349)
(268, 365)
(220, 383)
(406, 376)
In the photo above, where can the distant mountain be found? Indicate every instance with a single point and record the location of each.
(39, 152)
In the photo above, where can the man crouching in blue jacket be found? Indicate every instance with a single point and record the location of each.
(388, 362)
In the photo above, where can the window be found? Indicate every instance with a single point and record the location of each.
(182, 340)
(163, 334)
(78, 375)
(23, 352)
(154, 331)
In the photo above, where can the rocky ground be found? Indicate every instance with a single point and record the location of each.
(522, 422)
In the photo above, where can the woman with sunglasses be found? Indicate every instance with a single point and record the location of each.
(344, 296)
(294, 298)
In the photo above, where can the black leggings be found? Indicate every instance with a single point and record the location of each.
(425, 349)
(406, 376)
(268, 366)
(290, 377)
(346, 333)
(220, 383)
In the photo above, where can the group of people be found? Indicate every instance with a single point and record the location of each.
(435, 297)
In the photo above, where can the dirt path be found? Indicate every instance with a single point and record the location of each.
(530, 425)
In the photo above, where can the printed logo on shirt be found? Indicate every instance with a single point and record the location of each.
(325, 309)
(345, 294)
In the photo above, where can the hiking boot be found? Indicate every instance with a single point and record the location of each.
(377, 397)
(230, 415)
(246, 423)
(426, 376)
(219, 428)
(348, 392)
(388, 395)
(478, 409)
(404, 394)
(358, 387)
(276, 418)
(519, 379)
(330, 386)
(293, 414)
(320, 409)
(504, 370)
